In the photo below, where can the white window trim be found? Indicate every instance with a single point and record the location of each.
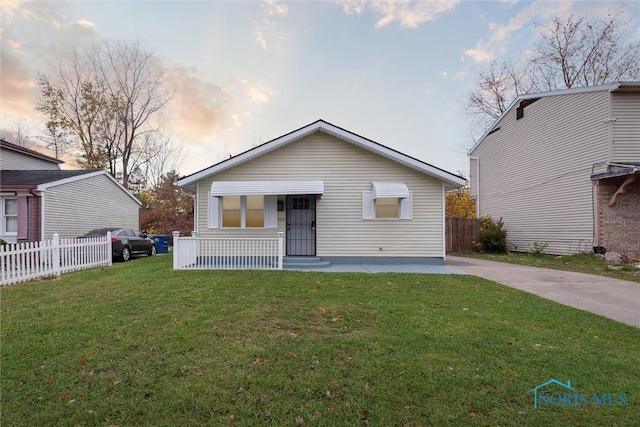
(270, 208)
(405, 208)
(3, 216)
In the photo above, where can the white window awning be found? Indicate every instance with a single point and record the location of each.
(390, 189)
(266, 188)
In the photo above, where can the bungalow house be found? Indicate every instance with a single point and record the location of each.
(334, 194)
(563, 168)
(38, 199)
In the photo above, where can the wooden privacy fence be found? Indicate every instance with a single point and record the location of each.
(21, 262)
(195, 253)
(461, 234)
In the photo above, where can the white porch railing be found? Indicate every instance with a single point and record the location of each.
(195, 253)
(21, 262)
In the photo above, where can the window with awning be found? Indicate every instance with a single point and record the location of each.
(266, 188)
(387, 200)
(253, 204)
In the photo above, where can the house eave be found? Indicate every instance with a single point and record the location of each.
(450, 180)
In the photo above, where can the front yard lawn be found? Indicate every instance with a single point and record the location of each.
(140, 344)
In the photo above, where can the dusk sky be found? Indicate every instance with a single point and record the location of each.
(247, 72)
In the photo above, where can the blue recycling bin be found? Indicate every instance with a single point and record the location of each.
(162, 243)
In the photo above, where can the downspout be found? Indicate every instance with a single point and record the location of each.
(42, 217)
(477, 184)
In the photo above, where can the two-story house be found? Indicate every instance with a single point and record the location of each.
(563, 168)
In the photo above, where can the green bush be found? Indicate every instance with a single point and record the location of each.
(539, 248)
(492, 237)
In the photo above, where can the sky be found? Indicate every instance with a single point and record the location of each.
(245, 72)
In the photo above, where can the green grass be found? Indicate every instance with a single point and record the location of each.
(582, 263)
(140, 344)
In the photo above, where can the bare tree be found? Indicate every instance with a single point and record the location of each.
(153, 155)
(572, 52)
(19, 134)
(576, 52)
(108, 99)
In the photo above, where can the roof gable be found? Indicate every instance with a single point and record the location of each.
(450, 180)
(41, 180)
(612, 87)
(31, 153)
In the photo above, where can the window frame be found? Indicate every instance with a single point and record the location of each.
(369, 208)
(4, 216)
(269, 209)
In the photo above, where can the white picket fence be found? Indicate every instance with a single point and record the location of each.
(195, 253)
(21, 262)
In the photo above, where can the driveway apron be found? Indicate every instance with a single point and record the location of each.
(613, 298)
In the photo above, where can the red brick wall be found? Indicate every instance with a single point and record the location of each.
(32, 227)
(619, 225)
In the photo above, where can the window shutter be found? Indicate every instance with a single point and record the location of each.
(368, 205)
(406, 209)
(214, 212)
(271, 211)
(23, 217)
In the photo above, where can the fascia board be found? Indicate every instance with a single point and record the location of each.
(46, 186)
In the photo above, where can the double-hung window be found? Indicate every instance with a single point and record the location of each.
(9, 212)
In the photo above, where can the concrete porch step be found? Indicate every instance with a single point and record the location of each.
(304, 262)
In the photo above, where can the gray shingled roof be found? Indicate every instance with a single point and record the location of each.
(10, 178)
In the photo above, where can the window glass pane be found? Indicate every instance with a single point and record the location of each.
(387, 207)
(231, 218)
(255, 202)
(231, 202)
(11, 207)
(255, 218)
(12, 224)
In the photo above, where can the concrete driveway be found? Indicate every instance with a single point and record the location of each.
(613, 298)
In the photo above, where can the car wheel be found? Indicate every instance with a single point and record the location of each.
(153, 251)
(126, 254)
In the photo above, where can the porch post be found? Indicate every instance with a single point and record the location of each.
(280, 246)
(109, 249)
(56, 254)
(176, 250)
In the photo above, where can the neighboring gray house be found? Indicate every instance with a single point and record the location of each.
(37, 199)
(563, 167)
(334, 195)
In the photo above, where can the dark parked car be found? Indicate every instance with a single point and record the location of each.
(126, 242)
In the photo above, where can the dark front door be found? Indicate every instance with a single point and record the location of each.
(301, 225)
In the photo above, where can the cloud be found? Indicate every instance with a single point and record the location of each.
(272, 7)
(254, 93)
(199, 108)
(407, 13)
(32, 37)
(499, 36)
(267, 33)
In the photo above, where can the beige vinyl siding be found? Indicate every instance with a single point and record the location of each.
(11, 160)
(626, 127)
(347, 171)
(76, 207)
(535, 172)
